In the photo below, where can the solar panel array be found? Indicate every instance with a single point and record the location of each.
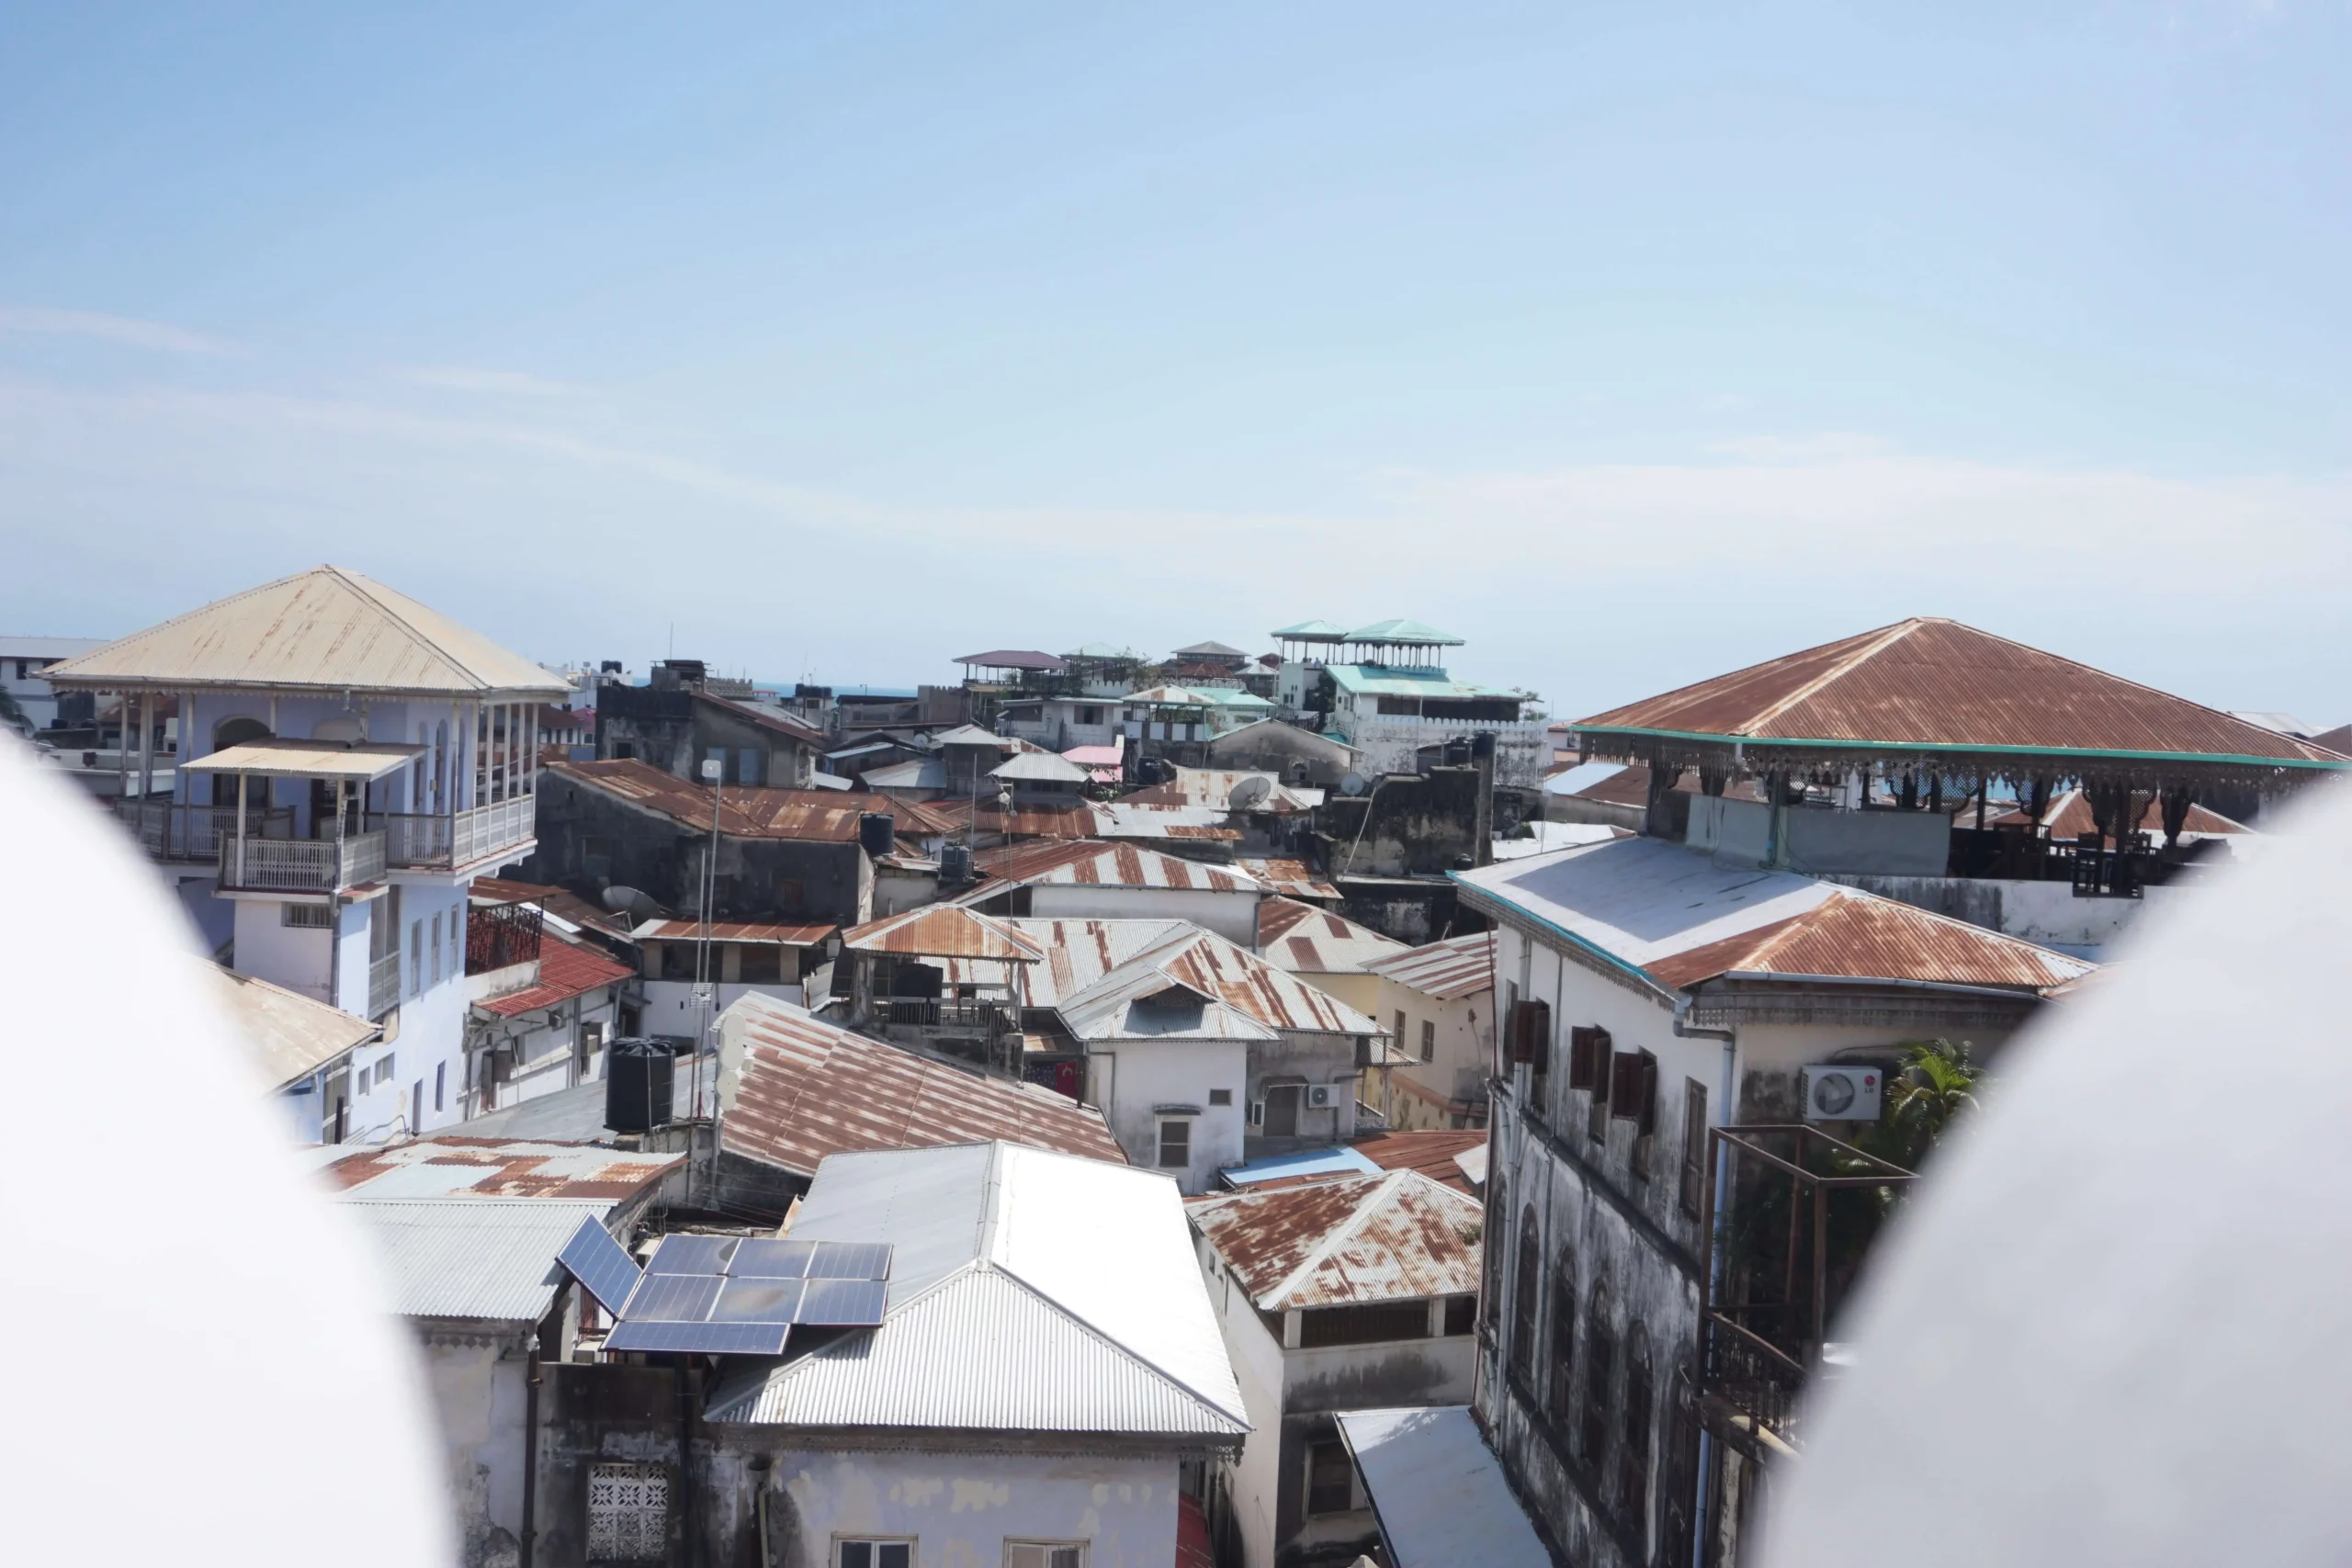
(599, 1262)
(738, 1296)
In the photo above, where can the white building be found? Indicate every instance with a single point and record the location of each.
(1439, 1002)
(1089, 880)
(351, 761)
(24, 663)
(1333, 1295)
(303, 1048)
(1047, 1369)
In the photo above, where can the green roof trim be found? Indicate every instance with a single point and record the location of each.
(1406, 634)
(1385, 680)
(1964, 747)
(1313, 631)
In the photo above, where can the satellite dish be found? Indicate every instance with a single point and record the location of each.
(629, 901)
(1351, 784)
(1252, 793)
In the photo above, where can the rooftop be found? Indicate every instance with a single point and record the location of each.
(1015, 659)
(290, 1036)
(1307, 940)
(1449, 970)
(1438, 1490)
(733, 931)
(1351, 1239)
(1099, 865)
(812, 815)
(449, 1165)
(806, 1089)
(1455, 1159)
(567, 969)
(1405, 634)
(942, 931)
(1397, 680)
(1029, 1293)
(1676, 917)
(327, 629)
(1934, 683)
(1039, 767)
(482, 1258)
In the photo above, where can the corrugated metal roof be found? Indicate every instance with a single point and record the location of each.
(807, 1089)
(1307, 940)
(943, 930)
(1649, 902)
(1311, 631)
(327, 629)
(1406, 633)
(1346, 1240)
(1299, 1165)
(1126, 819)
(1438, 1491)
(1435, 1152)
(732, 930)
(450, 1165)
(1291, 878)
(1015, 659)
(1100, 864)
(290, 1036)
(1930, 682)
(1215, 787)
(1390, 681)
(2069, 816)
(567, 969)
(812, 815)
(1029, 1291)
(1039, 767)
(307, 759)
(472, 1258)
(1459, 966)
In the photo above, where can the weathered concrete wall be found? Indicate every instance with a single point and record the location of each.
(963, 1508)
(1410, 825)
(1294, 755)
(2044, 912)
(1422, 1094)
(1879, 843)
(1129, 1078)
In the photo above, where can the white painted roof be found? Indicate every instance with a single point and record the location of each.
(1046, 767)
(1029, 1291)
(1643, 899)
(325, 629)
(290, 1035)
(1438, 1491)
(471, 1257)
(1550, 836)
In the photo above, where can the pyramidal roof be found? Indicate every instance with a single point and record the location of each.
(326, 628)
(1928, 681)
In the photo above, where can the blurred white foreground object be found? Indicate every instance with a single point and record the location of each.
(200, 1368)
(2112, 1331)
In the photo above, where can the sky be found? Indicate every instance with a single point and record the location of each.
(1631, 344)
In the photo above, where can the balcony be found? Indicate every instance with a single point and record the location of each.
(450, 841)
(301, 865)
(196, 835)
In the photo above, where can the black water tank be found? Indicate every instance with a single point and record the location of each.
(638, 1085)
(1482, 744)
(955, 864)
(877, 833)
(1457, 752)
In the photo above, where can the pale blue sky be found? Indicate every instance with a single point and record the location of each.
(1632, 347)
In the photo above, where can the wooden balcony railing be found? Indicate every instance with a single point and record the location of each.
(301, 865)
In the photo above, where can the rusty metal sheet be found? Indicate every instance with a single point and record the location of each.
(732, 930)
(1434, 1152)
(1858, 936)
(1346, 1240)
(453, 1165)
(1935, 682)
(1459, 966)
(1308, 941)
(821, 816)
(943, 930)
(809, 1090)
(567, 969)
(1096, 863)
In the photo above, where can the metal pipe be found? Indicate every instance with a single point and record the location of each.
(530, 1457)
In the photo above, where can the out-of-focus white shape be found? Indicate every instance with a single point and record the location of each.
(2111, 1331)
(200, 1360)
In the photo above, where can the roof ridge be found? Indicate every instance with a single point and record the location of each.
(64, 666)
(1841, 891)
(1096, 1331)
(363, 587)
(1320, 1253)
(1881, 640)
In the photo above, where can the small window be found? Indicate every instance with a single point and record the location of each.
(628, 1513)
(415, 957)
(748, 769)
(1330, 1479)
(311, 917)
(1220, 1097)
(1045, 1554)
(1175, 1144)
(1461, 1314)
(874, 1554)
(1429, 1039)
(440, 1082)
(1399, 1031)
(436, 950)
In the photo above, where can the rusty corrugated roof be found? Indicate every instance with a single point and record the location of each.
(1307, 940)
(1856, 935)
(1434, 1152)
(821, 815)
(1345, 1241)
(1095, 863)
(733, 931)
(1291, 878)
(943, 930)
(1459, 966)
(2069, 817)
(450, 1165)
(1930, 682)
(567, 969)
(807, 1089)
(327, 629)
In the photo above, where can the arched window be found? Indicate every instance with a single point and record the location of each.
(1562, 1389)
(1525, 1289)
(237, 731)
(1599, 1369)
(1490, 1303)
(1634, 1465)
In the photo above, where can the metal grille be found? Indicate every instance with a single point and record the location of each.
(628, 1513)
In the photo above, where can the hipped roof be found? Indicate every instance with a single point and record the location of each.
(325, 629)
(1929, 684)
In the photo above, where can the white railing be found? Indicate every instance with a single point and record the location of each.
(383, 983)
(301, 865)
(170, 831)
(445, 842)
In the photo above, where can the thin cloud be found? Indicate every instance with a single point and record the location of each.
(494, 383)
(123, 330)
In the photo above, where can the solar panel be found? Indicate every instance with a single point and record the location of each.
(711, 1339)
(691, 1255)
(672, 1298)
(770, 1257)
(843, 1304)
(757, 1301)
(849, 1260)
(597, 1261)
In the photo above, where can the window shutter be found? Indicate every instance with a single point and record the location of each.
(1580, 1057)
(1626, 1086)
(1601, 1065)
(1646, 1106)
(1539, 1036)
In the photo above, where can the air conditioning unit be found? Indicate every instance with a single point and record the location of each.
(1843, 1094)
(1321, 1097)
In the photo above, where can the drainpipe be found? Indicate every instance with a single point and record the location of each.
(1700, 1506)
(530, 1457)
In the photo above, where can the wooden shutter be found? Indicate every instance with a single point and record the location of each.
(1645, 1111)
(1625, 1085)
(1580, 1058)
(1528, 1030)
